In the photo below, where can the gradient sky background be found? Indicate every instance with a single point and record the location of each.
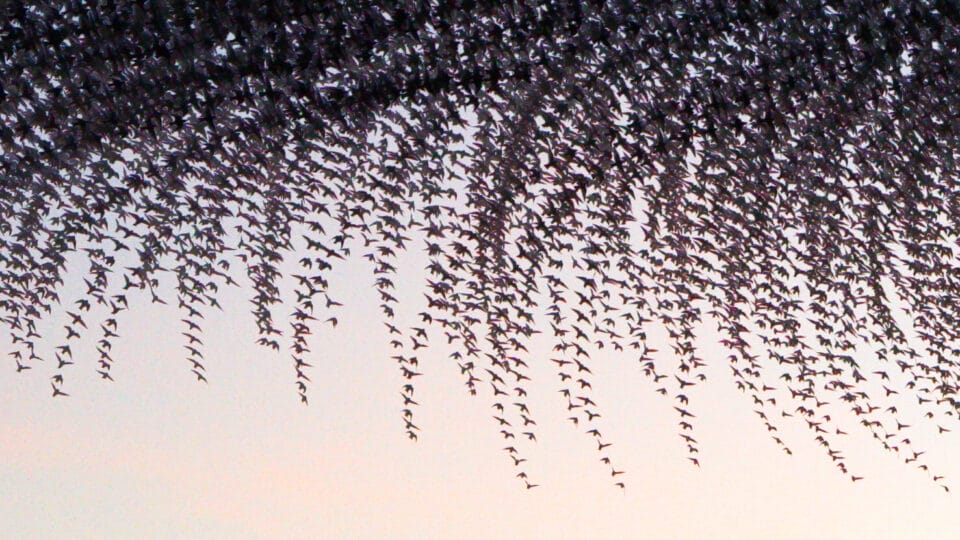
(158, 455)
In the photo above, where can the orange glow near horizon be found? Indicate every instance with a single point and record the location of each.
(158, 455)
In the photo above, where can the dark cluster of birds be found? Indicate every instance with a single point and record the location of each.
(786, 171)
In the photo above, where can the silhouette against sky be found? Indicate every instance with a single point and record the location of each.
(579, 206)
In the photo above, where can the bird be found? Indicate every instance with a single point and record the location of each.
(76, 319)
(684, 413)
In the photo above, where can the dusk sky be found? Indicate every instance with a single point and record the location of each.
(487, 197)
(156, 454)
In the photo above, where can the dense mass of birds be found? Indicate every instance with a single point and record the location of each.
(785, 171)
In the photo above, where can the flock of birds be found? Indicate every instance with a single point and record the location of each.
(784, 170)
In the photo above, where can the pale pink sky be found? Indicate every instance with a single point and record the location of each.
(157, 455)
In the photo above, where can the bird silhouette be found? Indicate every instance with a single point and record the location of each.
(786, 192)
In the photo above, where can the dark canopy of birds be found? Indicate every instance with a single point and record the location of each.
(777, 180)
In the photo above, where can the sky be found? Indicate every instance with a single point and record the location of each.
(157, 454)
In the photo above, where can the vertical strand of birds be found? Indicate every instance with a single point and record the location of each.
(786, 170)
